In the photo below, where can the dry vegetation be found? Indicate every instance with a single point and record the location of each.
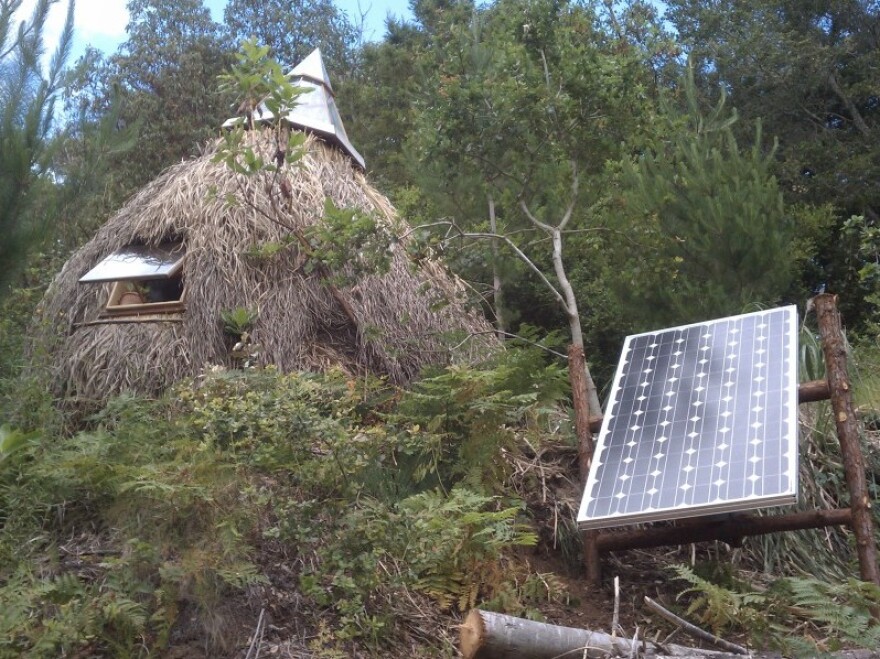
(402, 321)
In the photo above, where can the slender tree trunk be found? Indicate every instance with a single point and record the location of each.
(574, 322)
(497, 297)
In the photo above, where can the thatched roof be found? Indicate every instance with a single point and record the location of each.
(399, 328)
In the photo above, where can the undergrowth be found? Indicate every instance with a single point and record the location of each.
(179, 518)
(800, 616)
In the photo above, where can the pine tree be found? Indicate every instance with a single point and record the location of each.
(27, 104)
(709, 218)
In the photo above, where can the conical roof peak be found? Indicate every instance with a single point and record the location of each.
(313, 69)
(315, 110)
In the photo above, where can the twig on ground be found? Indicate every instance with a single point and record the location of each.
(693, 630)
(615, 618)
(634, 648)
(257, 640)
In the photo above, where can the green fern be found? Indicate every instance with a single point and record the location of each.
(722, 608)
(843, 611)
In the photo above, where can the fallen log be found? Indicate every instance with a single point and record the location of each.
(488, 635)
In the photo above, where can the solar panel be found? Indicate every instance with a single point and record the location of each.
(702, 419)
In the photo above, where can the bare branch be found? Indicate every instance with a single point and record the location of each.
(575, 182)
(512, 336)
(857, 118)
(520, 254)
(534, 220)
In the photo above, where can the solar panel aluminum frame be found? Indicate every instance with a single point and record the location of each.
(788, 441)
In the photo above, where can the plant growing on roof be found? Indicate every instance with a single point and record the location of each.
(259, 85)
(238, 321)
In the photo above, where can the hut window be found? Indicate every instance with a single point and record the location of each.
(145, 279)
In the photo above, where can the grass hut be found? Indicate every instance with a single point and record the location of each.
(143, 303)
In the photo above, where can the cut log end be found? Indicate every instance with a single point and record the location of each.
(472, 634)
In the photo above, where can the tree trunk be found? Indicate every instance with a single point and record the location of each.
(574, 320)
(848, 433)
(497, 297)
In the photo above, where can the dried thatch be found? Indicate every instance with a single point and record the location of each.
(301, 325)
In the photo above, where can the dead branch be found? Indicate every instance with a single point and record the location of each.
(693, 630)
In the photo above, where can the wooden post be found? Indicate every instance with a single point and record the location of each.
(848, 432)
(577, 375)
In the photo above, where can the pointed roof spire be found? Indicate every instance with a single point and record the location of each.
(312, 68)
(315, 110)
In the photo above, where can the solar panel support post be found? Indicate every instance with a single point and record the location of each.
(834, 349)
(577, 376)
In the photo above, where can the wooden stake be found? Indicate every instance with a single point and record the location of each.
(848, 432)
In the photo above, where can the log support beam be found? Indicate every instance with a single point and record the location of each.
(834, 349)
(731, 530)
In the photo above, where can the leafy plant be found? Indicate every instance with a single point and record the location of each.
(259, 84)
(239, 320)
(840, 611)
(348, 238)
(720, 607)
(11, 440)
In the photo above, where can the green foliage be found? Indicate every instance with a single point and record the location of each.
(811, 362)
(806, 69)
(840, 612)
(178, 495)
(865, 236)
(722, 608)
(471, 415)
(11, 440)
(165, 78)
(239, 320)
(291, 29)
(843, 611)
(256, 81)
(352, 241)
(171, 515)
(712, 218)
(444, 545)
(27, 112)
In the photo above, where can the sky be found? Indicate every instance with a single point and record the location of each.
(101, 23)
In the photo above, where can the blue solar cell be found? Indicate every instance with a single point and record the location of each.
(701, 419)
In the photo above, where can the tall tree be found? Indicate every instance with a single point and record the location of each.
(27, 107)
(809, 69)
(708, 217)
(532, 98)
(292, 29)
(165, 76)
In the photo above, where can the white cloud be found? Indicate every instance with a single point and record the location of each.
(100, 20)
(105, 18)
